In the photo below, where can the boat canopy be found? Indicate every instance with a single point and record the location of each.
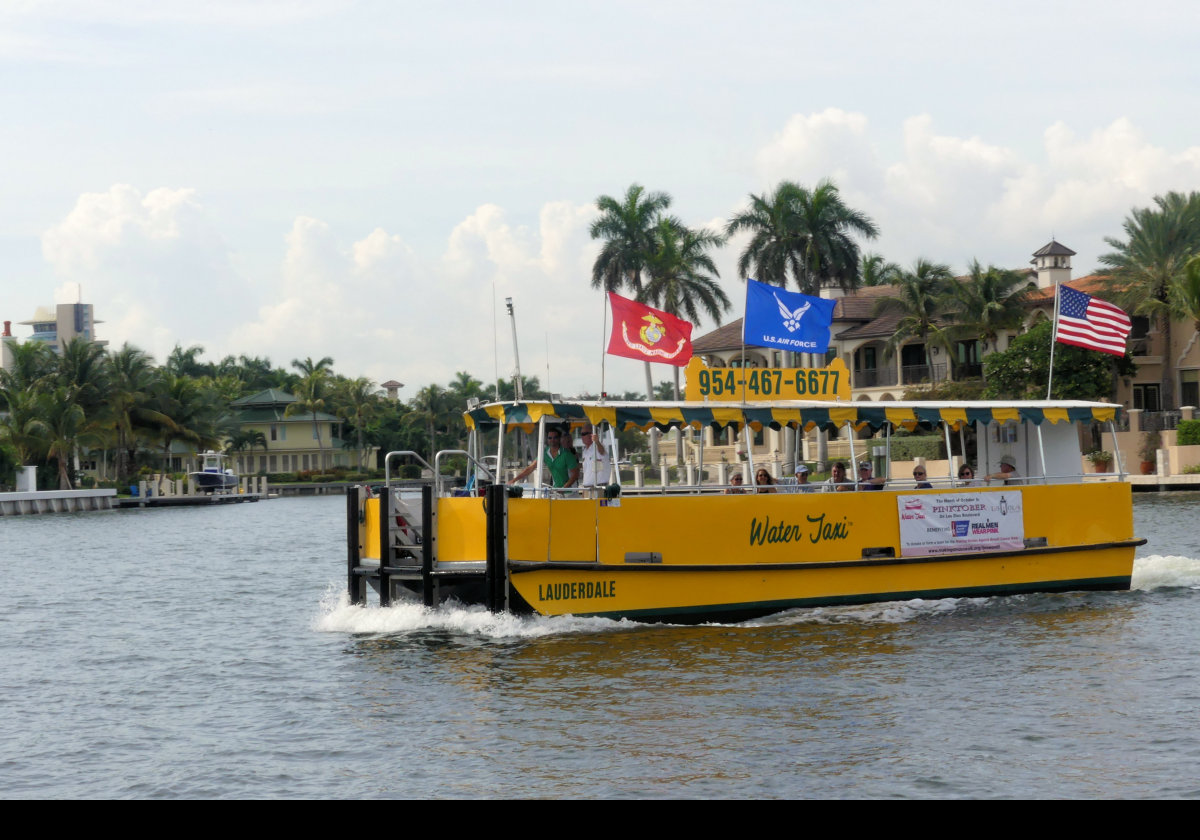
(795, 414)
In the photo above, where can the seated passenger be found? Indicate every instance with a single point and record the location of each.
(736, 489)
(764, 481)
(919, 476)
(802, 485)
(865, 482)
(837, 482)
(1008, 472)
(966, 477)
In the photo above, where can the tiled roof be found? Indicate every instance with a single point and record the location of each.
(268, 414)
(1054, 249)
(1093, 284)
(271, 396)
(724, 337)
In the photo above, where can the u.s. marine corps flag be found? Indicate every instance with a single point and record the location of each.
(647, 334)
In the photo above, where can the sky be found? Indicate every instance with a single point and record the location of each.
(370, 180)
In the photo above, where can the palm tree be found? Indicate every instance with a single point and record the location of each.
(33, 363)
(183, 410)
(311, 397)
(429, 407)
(874, 270)
(803, 234)
(131, 376)
(683, 277)
(627, 228)
(356, 398)
(22, 424)
(1144, 267)
(988, 302)
(187, 362)
(66, 428)
(921, 297)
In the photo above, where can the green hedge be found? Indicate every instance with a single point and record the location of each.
(911, 447)
(1188, 432)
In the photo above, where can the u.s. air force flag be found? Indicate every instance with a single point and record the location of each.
(776, 317)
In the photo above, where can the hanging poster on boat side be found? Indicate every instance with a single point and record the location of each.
(960, 524)
(761, 384)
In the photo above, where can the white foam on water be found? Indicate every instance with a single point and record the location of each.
(1158, 571)
(889, 612)
(338, 615)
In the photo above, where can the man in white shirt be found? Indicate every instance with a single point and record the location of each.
(594, 460)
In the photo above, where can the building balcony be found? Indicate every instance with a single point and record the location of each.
(875, 377)
(922, 374)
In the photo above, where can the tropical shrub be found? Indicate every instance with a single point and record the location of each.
(1188, 433)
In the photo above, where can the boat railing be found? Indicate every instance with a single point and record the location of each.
(898, 485)
(437, 467)
(398, 453)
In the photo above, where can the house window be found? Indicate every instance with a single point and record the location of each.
(274, 432)
(1145, 397)
(866, 358)
(1139, 336)
(1189, 387)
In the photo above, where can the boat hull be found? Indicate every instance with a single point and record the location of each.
(727, 592)
(208, 482)
(707, 557)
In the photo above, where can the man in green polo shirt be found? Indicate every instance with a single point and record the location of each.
(560, 460)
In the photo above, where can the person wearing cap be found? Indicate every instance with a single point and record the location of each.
(1008, 471)
(594, 458)
(865, 482)
(802, 485)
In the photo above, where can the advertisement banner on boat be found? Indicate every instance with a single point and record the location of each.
(936, 524)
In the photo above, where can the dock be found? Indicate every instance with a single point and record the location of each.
(186, 501)
(27, 502)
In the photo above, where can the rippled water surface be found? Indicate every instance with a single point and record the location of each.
(210, 653)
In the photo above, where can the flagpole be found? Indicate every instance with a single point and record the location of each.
(745, 309)
(1053, 341)
(603, 343)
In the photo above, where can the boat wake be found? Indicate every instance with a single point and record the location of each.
(338, 615)
(1158, 572)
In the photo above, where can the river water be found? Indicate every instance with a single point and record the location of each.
(211, 653)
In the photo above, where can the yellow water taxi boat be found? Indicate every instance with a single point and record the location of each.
(697, 552)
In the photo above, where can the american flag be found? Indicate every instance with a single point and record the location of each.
(1086, 321)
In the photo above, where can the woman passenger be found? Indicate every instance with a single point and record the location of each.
(966, 477)
(764, 481)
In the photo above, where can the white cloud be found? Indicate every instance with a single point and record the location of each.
(149, 262)
(830, 144)
(953, 198)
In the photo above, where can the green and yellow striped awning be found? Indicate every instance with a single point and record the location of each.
(665, 416)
